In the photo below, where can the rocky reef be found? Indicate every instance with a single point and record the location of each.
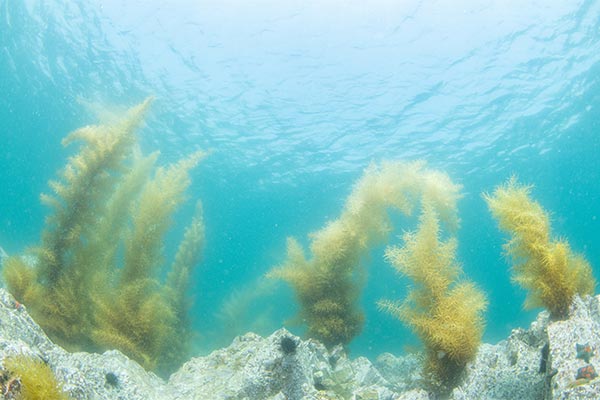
(550, 360)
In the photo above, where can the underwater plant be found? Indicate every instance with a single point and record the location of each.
(443, 309)
(327, 285)
(246, 308)
(546, 267)
(96, 282)
(29, 378)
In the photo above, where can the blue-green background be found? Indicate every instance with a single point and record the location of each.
(295, 99)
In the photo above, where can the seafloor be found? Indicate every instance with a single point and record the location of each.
(537, 363)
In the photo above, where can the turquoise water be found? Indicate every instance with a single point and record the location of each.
(294, 100)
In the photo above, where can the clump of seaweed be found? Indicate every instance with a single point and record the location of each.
(246, 308)
(546, 267)
(327, 285)
(96, 284)
(29, 378)
(443, 309)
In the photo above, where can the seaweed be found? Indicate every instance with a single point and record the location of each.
(546, 267)
(97, 282)
(328, 284)
(29, 378)
(442, 308)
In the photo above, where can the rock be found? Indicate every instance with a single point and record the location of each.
(508, 370)
(257, 368)
(403, 373)
(538, 363)
(415, 394)
(582, 327)
(84, 375)
(254, 368)
(280, 366)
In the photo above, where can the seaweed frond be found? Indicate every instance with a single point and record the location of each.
(36, 379)
(135, 313)
(327, 285)
(158, 200)
(546, 267)
(189, 254)
(20, 278)
(98, 279)
(445, 311)
(246, 309)
(68, 256)
(86, 182)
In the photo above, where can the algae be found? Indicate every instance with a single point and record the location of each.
(328, 284)
(551, 272)
(97, 281)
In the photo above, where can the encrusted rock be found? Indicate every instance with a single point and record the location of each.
(256, 368)
(415, 394)
(539, 363)
(84, 375)
(582, 327)
(403, 373)
(512, 369)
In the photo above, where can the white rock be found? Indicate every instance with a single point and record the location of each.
(284, 367)
(582, 327)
